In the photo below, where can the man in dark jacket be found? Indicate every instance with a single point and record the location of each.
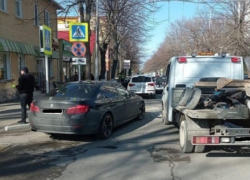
(25, 87)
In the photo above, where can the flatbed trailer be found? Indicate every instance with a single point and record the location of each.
(219, 125)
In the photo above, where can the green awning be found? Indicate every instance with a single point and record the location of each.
(27, 49)
(8, 45)
(1, 46)
(12, 46)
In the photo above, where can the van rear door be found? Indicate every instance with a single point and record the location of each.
(194, 68)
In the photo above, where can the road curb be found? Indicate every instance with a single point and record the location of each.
(17, 127)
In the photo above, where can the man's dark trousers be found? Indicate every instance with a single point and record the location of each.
(25, 99)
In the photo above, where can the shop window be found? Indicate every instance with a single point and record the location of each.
(18, 8)
(36, 15)
(3, 66)
(46, 18)
(3, 5)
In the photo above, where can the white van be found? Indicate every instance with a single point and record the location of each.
(142, 85)
(184, 71)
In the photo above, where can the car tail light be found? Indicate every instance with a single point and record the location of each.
(130, 84)
(151, 84)
(34, 108)
(182, 59)
(206, 140)
(79, 109)
(235, 59)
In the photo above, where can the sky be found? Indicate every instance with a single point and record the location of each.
(178, 10)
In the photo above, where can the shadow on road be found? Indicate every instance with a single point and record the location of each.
(45, 160)
(72, 137)
(120, 130)
(227, 152)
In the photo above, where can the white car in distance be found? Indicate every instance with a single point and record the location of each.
(142, 85)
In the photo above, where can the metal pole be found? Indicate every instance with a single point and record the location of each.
(79, 72)
(97, 42)
(47, 73)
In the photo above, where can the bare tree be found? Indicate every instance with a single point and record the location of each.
(126, 19)
(221, 27)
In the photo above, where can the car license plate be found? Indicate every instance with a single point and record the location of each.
(138, 86)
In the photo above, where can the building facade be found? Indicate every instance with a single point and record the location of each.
(19, 42)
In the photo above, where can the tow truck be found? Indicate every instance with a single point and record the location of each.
(207, 98)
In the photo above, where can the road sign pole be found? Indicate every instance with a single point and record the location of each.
(47, 73)
(79, 72)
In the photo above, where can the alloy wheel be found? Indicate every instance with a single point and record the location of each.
(107, 126)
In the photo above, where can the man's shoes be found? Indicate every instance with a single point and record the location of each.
(21, 122)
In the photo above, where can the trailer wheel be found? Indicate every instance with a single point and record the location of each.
(194, 98)
(186, 145)
(199, 149)
(185, 96)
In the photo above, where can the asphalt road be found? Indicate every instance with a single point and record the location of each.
(138, 150)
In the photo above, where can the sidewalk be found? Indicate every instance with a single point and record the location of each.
(10, 112)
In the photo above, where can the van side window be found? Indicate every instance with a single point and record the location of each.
(167, 74)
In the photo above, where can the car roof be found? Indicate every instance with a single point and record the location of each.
(141, 75)
(92, 82)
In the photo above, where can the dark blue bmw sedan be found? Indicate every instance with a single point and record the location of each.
(86, 107)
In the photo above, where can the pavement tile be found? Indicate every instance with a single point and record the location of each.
(10, 112)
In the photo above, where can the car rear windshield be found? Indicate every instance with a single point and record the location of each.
(141, 79)
(79, 91)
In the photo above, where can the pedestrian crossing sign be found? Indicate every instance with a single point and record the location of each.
(47, 40)
(78, 32)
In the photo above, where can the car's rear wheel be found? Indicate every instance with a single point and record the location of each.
(141, 113)
(185, 143)
(106, 127)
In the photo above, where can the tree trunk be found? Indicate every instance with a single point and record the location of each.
(88, 54)
(115, 52)
(114, 69)
(103, 62)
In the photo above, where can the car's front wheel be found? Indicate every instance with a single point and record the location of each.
(106, 127)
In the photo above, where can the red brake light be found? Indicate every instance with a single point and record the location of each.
(206, 140)
(235, 59)
(130, 85)
(182, 59)
(79, 109)
(34, 108)
(151, 84)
